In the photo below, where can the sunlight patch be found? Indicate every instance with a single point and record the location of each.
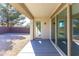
(40, 42)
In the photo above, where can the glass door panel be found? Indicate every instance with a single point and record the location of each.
(75, 27)
(61, 31)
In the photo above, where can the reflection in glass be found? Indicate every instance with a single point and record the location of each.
(38, 28)
(61, 31)
(75, 26)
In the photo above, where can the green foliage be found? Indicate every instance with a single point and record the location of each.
(12, 16)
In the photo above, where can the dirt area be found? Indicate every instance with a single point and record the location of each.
(11, 44)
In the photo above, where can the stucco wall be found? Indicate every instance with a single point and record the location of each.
(45, 28)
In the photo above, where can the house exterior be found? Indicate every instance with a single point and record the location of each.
(53, 21)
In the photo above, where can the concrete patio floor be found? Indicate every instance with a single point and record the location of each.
(12, 43)
(39, 47)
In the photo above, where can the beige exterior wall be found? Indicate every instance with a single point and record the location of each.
(45, 28)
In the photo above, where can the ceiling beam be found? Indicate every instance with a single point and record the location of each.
(22, 9)
(56, 9)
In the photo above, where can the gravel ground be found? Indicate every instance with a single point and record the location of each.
(12, 43)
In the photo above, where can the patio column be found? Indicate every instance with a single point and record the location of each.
(55, 30)
(69, 30)
(32, 29)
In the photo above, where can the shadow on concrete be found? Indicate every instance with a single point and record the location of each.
(43, 47)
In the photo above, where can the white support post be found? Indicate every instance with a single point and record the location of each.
(55, 30)
(69, 30)
(32, 29)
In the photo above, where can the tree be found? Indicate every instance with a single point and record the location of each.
(9, 13)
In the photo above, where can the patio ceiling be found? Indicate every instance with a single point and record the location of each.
(39, 10)
(36, 10)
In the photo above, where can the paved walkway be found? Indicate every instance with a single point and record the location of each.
(39, 47)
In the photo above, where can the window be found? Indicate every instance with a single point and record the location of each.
(61, 24)
(38, 28)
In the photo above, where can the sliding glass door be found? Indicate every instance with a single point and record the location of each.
(62, 30)
(75, 26)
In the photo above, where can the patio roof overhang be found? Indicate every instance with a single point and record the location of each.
(37, 10)
(22, 9)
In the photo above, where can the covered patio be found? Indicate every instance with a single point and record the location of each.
(53, 29)
(40, 16)
(16, 39)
